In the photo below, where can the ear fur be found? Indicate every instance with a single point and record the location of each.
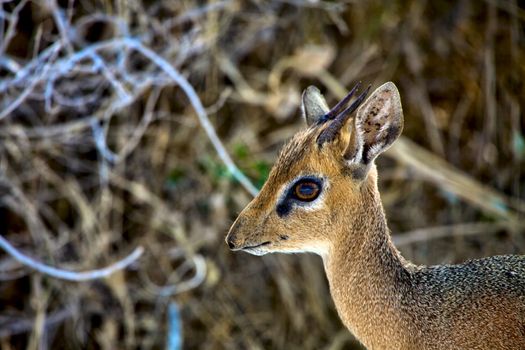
(377, 124)
(313, 105)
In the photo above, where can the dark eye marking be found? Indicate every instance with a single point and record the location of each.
(284, 208)
(304, 190)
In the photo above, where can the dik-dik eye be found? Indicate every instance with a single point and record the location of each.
(301, 194)
(306, 190)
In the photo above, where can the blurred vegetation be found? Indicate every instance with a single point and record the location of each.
(101, 151)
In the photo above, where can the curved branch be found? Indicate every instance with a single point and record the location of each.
(70, 275)
(199, 109)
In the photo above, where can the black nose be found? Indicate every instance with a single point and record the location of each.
(230, 241)
(232, 235)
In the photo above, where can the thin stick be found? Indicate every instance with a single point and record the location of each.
(199, 109)
(70, 275)
(65, 64)
(14, 326)
(61, 23)
(29, 89)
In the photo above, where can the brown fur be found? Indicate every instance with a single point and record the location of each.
(387, 302)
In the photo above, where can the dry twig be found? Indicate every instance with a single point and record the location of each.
(70, 275)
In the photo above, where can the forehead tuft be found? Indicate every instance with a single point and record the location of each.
(294, 152)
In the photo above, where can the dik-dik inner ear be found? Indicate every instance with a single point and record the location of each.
(313, 105)
(377, 124)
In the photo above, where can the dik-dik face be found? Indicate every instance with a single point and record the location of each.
(318, 178)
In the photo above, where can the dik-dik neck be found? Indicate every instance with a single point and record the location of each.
(368, 277)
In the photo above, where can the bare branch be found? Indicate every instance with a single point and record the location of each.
(63, 66)
(199, 109)
(70, 275)
(10, 327)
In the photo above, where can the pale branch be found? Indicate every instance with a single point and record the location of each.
(70, 275)
(199, 109)
(64, 65)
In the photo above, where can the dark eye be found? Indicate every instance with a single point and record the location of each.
(306, 191)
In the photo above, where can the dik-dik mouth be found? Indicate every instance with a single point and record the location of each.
(256, 249)
(256, 246)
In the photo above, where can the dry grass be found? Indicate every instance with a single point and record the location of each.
(105, 146)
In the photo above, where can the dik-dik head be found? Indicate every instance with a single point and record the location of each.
(321, 176)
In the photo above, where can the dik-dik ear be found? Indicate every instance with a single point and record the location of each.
(377, 124)
(313, 105)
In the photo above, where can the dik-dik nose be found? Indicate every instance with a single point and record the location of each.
(231, 239)
(230, 242)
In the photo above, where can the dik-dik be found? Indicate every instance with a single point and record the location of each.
(321, 197)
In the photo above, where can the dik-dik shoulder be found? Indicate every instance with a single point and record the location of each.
(493, 278)
(478, 302)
